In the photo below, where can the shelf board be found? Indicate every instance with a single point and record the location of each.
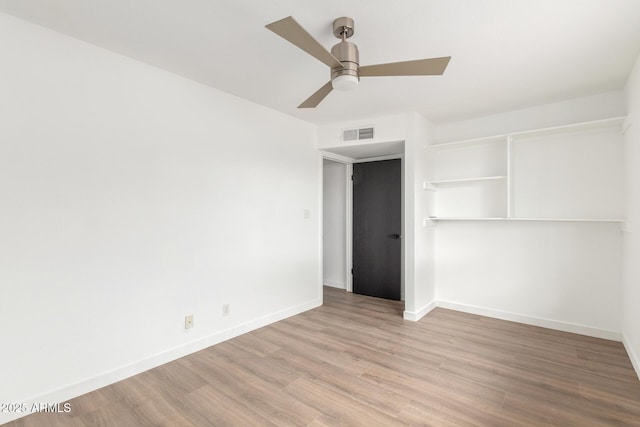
(469, 143)
(464, 180)
(574, 127)
(450, 218)
(618, 220)
(494, 139)
(569, 219)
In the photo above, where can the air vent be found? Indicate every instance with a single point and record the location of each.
(357, 134)
(350, 135)
(366, 133)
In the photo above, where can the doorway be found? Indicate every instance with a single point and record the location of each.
(377, 225)
(344, 158)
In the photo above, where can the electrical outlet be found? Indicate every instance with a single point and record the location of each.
(188, 321)
(225, 309)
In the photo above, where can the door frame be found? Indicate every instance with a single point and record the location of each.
(348, 162)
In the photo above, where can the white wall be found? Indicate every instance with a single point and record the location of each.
(569, 175)
(559, 275)
(631, 238)
(556, 274)
(334, 224)
(130, 197)
(420, 233)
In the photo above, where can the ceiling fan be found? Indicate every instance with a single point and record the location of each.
(344, 58)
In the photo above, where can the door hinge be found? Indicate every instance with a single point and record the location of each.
(351, 177)
(352, 271)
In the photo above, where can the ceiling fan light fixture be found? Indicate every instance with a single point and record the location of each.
(345, 82)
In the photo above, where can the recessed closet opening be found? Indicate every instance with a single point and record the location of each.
(338, 214)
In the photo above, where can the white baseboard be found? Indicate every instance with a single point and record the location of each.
(534, 321)
(635, 361)
(103, 379)
(334, 284)
(419, 314)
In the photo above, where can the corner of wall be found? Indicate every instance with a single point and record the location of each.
(418, 314)
(633, 356)
(631, 238)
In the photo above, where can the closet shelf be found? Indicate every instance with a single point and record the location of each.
(469, 143)
(618, 220)
(531, 133)
(467, 180)
(449, 218)
(574, 127)
(569, 219)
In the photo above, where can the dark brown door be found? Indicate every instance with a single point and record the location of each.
(376, 228)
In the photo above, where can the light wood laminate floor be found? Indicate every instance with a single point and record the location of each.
(355, 361)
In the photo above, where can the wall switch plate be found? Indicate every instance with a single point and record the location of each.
(225, 309)
(307, 214)
(188, 321)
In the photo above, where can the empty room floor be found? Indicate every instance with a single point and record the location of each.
(355, 361)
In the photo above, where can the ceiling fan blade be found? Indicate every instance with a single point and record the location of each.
(317, 97)
(293, 32)
(420, 67)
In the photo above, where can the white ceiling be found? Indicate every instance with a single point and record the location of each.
(506, 54)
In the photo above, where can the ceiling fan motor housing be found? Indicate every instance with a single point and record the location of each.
(347, 54)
